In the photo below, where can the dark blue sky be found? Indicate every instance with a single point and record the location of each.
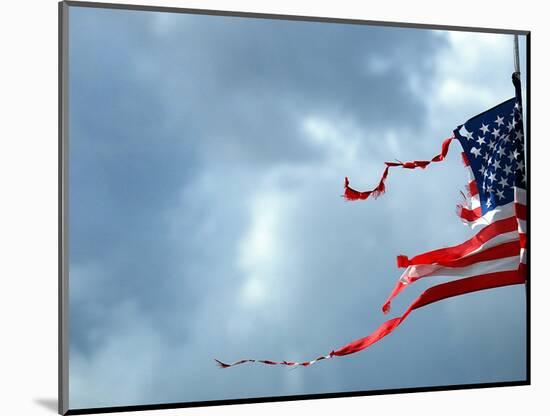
(207, 156)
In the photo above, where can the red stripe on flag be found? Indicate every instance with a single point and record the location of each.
(523, 240)
(521, 211)
(452, 253)
(469, 214)
(472, 188)
(504, 250)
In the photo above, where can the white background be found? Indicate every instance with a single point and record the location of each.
(28, 208)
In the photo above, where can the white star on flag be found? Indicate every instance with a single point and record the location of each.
(503, 182)
(508, 169)
(484, 128)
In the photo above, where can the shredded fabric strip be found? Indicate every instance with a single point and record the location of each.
(353, 195)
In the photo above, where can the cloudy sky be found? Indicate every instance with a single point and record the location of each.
(207, 157)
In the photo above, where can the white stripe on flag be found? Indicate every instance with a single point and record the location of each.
(522, 224)
(520, 195)
(499, 213)
(482, 267)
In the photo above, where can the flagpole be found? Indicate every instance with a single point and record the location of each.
(516, 75)
(516, 55)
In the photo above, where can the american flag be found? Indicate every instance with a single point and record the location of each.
(494, 206)
(494, 203)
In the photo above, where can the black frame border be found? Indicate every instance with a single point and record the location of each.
(63, 212)
(63, 217)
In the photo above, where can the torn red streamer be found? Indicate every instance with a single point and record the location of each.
(431, 295)
(353, 195)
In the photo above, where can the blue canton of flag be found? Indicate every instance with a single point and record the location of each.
(493, 143)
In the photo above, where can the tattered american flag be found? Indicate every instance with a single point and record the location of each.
(494, 206)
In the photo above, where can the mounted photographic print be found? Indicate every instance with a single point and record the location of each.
(264, 208)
